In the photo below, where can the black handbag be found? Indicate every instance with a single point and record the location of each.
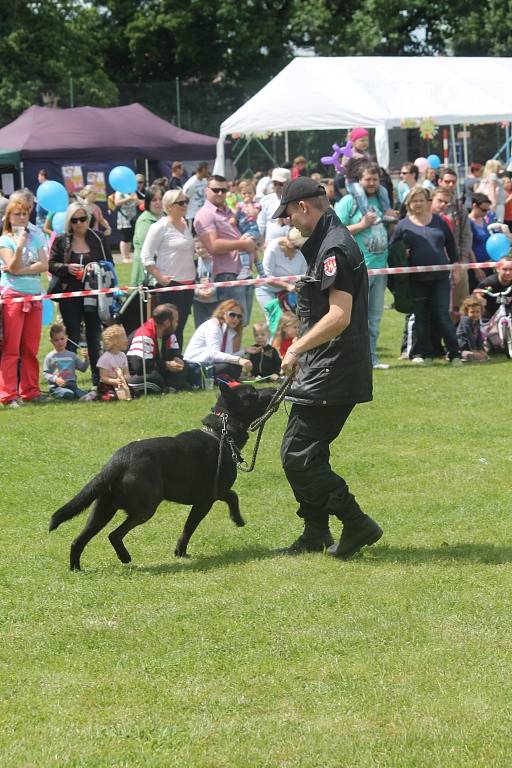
(55, 286)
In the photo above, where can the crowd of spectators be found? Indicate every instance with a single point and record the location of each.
(196, 232)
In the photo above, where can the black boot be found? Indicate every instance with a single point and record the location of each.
(356, 534)
(312, 539)
(359, 530)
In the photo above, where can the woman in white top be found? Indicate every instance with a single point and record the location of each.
(282, 257)
(168, 255)
(217, 342)
(491, 185)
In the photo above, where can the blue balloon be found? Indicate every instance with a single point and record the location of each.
(434, 161)
(122, 179)
(48, 308)
(497, 246)
(58, 222)
(52, 196)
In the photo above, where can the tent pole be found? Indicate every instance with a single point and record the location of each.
(286, 148)
(178, 103)
(454, 150)
(466, 163)
(22, 175)
(146, 168)
(242, 151)
(143, 299)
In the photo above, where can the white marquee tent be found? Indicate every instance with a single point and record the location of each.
(375, 92)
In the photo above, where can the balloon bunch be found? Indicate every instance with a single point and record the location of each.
(334, 159)
(432, 161)
(53, 196)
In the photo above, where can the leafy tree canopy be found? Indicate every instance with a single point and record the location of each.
(103, 44)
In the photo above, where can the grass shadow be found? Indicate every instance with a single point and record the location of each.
(208, 562)
(487, 554)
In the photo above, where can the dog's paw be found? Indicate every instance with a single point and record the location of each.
(180, 552)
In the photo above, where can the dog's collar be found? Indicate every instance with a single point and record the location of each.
(233, 423)
(210, 431)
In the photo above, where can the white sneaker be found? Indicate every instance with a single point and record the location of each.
(381, 367)
(418, 360)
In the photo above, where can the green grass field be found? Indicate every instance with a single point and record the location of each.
(239, 657)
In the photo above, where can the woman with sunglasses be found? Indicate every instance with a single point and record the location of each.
(168, 255)
(217, 342)
(69, 257)
(23, 256)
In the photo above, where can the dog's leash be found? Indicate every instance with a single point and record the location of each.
(259, 424)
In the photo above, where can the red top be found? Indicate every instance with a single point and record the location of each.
(283, 347)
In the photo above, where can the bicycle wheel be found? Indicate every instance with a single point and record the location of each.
(507, 340)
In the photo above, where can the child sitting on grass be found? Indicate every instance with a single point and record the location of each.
(264, 358)
(61, 365)
(113, 365)
(469, 331)
(287, 331)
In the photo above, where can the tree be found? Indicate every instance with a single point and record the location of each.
(42, 45)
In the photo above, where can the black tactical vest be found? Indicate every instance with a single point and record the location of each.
(340, 370)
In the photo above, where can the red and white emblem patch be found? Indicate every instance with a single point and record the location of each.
(330, 266)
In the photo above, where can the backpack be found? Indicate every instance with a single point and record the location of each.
(101, 274)
(399, 285)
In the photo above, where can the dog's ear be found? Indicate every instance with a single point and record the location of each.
(225, 387)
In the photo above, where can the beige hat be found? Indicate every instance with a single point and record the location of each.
(282, 175)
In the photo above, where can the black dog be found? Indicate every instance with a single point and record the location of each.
(184, 469)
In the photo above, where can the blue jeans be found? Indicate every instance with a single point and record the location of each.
(70, 392)
(431, 299)
(376, 290)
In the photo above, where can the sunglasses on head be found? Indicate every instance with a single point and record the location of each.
(232, 315)
(78, 219)
(219, 190)
(181, 202)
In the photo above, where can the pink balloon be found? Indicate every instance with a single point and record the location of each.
(421, 164)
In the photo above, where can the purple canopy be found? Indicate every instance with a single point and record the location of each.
(92, 133)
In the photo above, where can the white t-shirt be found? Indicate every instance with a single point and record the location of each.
(205, 346)
(170, 250)
(194, 189)
(263, 187)
(276, 264)
(110, 362)
(269, 227)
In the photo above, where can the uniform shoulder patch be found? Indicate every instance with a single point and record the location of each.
(330, 266)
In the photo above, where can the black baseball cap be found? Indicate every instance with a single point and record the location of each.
(298, 189)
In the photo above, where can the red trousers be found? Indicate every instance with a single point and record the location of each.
(22, 334)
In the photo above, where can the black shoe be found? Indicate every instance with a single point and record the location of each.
(310, 541)
(356, 535)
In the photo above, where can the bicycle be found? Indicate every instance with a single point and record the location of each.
(502, 319)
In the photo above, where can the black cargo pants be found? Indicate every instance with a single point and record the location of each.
(305, 458)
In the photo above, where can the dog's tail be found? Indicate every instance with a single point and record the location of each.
(83, 499)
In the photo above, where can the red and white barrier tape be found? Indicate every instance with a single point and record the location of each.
(239, 283)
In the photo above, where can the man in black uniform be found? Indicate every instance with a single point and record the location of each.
(332, 362)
